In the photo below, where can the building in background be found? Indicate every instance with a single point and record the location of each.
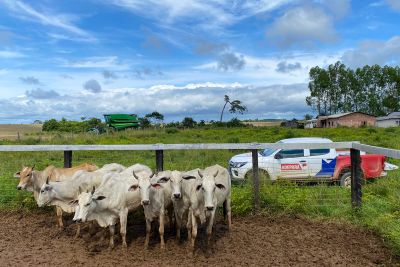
(391, 120)
(349, 119)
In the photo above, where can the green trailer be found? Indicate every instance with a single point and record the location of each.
(121, 121)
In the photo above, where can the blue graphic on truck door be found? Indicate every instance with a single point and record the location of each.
(327, 167)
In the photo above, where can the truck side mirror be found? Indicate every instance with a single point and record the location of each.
(278, 156)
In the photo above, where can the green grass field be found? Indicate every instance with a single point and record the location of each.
(380, 211)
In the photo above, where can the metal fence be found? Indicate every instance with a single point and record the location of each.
(160, 156)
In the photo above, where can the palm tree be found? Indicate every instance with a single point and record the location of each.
(236, 106)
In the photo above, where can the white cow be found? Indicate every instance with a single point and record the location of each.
(32, 180)
(111, 201)
(182, 186)
(64, 194)
(208, 193)
(155, 193)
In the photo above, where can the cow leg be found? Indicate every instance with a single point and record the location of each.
(194, 231)
(112, 232)
(210, 227)
(123, 218)
(189, 226)
(148, 230)
(161, 230)
(178, 222)
(229, 213)
(78, 231)
(59, 213)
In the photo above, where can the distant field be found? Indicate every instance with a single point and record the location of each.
(263, 123)
(10, 131)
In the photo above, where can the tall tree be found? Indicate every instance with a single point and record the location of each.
(236, 106)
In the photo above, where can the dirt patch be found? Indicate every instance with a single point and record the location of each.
(33, 239)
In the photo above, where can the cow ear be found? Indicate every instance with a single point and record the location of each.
(220, 186)
(73, 202)
(200, 173)
(133, 187)
(17, 175)
(163, 179)
(157, 186)
(215, 174)
(188, 177)
(100, 198)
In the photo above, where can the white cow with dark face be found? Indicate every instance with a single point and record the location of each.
(155, 193)
(212, 190)
(111, 202)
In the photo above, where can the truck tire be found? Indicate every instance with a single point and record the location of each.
(345, 180)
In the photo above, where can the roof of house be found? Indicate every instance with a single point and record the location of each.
(338, 115)
(393, 115)
(305, 140)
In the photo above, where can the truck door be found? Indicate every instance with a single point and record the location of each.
(291, 163)
(322, 162)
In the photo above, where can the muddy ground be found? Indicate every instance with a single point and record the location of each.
(32, 239)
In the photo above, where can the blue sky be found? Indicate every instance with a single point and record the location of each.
(86, 58)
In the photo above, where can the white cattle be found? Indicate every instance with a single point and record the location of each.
(111, 201)
(33, 180)
(182, 186)
(64, 194)
(209, 192)
(155, 194)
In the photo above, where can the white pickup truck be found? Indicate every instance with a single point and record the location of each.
(307, 164)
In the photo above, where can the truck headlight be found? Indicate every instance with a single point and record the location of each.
(237, 164)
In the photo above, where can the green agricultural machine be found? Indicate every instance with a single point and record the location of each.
(119, 122)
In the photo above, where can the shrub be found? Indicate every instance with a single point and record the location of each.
(171, 130)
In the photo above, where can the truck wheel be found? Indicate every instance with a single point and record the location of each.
(263, 176)
(345, 180)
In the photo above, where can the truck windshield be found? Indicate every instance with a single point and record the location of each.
(267, 152)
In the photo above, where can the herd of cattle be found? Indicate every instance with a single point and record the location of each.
(108, 194)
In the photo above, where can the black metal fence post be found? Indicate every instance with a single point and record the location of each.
(256, 181)
(68, 159)
(159, 160)
(356, 173)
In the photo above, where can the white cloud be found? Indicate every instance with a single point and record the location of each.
(339, 8)
(110, 62)
(374, 52)
(207, 14)
(10, 54)
(302, 26)
(50, 18)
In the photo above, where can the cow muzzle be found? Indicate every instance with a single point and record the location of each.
(145, 202)
(210, 208)
(77, 220)
(177, 195)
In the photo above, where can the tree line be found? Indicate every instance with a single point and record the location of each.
(371, 89)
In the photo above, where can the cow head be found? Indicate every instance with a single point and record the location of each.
(208, 186)
(25, 177)
(143, 185)
(46, 194)
(176, 185)
(87, 203)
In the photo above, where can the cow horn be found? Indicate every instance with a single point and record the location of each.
(93, 190)
(47, 180)
(134, 175)
(151, 176)
(200, 174)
